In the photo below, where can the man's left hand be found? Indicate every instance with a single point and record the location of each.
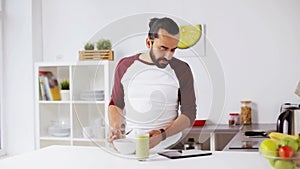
(155, 138)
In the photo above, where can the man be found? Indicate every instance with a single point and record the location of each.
(149, 87)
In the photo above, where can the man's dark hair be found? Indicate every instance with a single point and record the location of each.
(162, 23)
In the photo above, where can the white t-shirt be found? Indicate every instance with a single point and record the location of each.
(150, 96)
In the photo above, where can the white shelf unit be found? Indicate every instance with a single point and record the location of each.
(78, 112)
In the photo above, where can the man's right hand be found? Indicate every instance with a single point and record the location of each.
(114, 134)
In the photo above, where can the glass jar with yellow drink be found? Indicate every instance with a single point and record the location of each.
(142, 146)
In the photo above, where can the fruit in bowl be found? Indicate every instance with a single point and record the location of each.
(279, 162)
(281, 151)
(124, 145)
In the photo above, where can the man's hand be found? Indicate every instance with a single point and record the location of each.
(155, 137)
(176, 126)
(155, 140)
(154, 132)
(115, 123)
(114, 134)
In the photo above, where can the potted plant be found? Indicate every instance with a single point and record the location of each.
(103, 52)
(89, 46)
(104, 44)
(65, 90)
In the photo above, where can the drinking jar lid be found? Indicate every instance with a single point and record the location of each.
(246, 101)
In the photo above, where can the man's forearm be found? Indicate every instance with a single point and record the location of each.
(182, 122)
(115, 117)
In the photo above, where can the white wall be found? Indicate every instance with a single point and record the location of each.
(18, 77)
(257, 42)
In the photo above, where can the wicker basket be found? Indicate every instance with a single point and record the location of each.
(96, 55)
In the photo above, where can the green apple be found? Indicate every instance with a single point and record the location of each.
(272, 162)
(287, 141)
(269, 148)
(296, 158)
(283, 164)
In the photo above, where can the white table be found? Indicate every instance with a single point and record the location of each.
(72, 157)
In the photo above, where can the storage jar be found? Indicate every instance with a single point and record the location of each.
(246, 112)
(233, 119)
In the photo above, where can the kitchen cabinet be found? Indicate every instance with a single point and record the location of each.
(222, 139)
(80, 120)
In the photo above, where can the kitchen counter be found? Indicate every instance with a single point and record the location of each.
(237, 128)
(211, 132)
(72, 157)
(238, 131)
(240, 142)
(217, 128)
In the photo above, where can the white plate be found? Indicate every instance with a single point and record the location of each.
(60, 134)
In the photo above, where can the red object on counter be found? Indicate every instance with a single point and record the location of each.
(199, 123)
(233, 119)
(285, 152)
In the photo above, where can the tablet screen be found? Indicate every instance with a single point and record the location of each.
(174, 154)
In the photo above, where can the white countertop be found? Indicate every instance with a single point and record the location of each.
(73, 157)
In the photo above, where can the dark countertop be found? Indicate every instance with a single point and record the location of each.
(237, 128)
(216, 128)
(240, 142)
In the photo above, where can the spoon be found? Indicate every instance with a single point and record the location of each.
(128, 132)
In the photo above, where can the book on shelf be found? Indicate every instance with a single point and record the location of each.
(43, 87)
(40, 92)
(49, 86)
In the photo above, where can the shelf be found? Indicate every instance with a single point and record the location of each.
(89, 140)
(74, 139)
(54, 102)
(55, 138)
(78, 63)
(75, 112)
(70, 102)
(88, 102)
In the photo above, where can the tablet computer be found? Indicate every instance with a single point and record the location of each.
(175, 154)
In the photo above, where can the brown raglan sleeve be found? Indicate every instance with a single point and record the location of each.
(117, 95)
(187, 96)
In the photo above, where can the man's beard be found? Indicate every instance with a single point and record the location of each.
(156, 61)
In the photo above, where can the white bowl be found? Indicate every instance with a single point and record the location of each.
(59, 131)
(124, 145)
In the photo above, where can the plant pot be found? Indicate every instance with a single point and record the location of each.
(65, 94)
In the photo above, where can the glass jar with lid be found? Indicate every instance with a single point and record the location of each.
(233, 119)
(246, 112)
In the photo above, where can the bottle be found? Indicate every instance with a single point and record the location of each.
(233, 119)
(246, 112)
